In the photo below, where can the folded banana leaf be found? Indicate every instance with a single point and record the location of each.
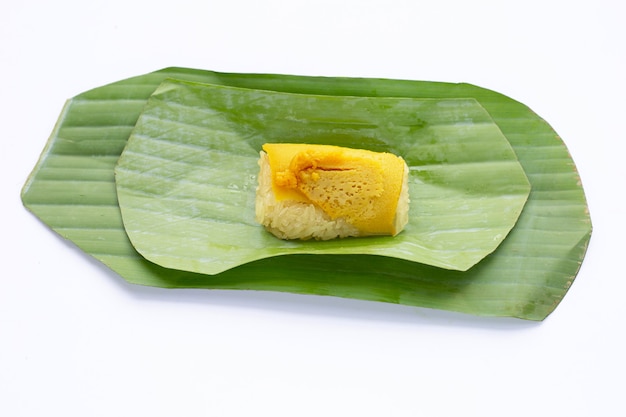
(72, 189)
(187, 177)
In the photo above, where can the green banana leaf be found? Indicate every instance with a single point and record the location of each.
(186, 180)
(72, 189)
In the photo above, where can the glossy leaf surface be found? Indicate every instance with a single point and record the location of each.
(186, 180)
(72, 189)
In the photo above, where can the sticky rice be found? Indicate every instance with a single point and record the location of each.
(299, 213)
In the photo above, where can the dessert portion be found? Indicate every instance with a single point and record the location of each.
(325, 192)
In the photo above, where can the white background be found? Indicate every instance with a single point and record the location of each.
(77, 340)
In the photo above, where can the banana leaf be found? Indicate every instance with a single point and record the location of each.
(72, 189)
(187, 177)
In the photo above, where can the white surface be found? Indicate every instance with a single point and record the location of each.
(76, 340)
